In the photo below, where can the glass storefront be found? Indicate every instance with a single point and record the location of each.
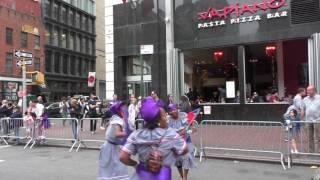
(273, 72)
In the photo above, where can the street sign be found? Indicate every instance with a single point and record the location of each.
(22, 54)
(27, 62)
(146, 49)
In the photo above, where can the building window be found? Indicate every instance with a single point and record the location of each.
(78, 43)
(90, 25)
(9, 36)
(57, 63)
(55, 37)
(71, 41)
(63, 17)
(48, 61)
(134, 66)
(90, 46)
(9, 64)
(24, 39)
(64, 39)
(92, 66)
(79, 68)
(36, 42)
(72, 65)
(65, 64)
(86, 68)
(48, 34)
(71, 17)
(77, 20)
(84, 45)
(36, 64)
(55, 11)
(84, 23)
(47, 5)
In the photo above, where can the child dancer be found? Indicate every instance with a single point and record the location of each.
(109, 165)
(178, 121)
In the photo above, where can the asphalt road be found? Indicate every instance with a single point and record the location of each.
(49, 163)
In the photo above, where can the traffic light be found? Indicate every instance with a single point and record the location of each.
(37, 77)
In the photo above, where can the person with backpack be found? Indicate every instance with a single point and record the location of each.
(156, 145)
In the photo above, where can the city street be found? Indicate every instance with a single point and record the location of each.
(49, 163)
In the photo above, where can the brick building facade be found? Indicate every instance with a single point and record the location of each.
(21, 28)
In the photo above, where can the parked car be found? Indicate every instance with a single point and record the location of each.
(53, 110)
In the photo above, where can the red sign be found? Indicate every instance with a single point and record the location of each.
(240, 9)
(271, 51)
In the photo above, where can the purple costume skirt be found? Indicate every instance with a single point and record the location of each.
(143, 173)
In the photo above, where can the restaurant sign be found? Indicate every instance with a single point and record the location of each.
(241, 13)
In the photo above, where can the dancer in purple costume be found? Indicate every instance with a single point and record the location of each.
(110, 168)
(155, 136)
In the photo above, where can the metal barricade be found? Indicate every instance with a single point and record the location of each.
(195, 137)
(91, 132)
(305, 135)
(14, 130)
(255, 140)
(56, 130)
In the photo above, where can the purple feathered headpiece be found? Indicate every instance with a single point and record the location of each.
(116, 107)
(149, 110)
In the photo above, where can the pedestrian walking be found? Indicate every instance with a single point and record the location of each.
(179, 122)
(109, 165)
(310, 112)
(156, 145)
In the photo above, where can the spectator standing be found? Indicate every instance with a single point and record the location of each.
(64, 109)
(185, 105)
(133, 112)
(5, 112)
(83, 106)
(16, 117)
(75, 112)
(92, 113)
(298, 99)
(310, 112)
(155, 96)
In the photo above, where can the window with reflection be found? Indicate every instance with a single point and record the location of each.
(63, 38)
(47, 6)
(48, 33)
(72, 65)
(134, 65)
(211, 75)
(55, 36)
(71, 41)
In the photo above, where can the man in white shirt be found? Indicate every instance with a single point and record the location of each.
(310, 111)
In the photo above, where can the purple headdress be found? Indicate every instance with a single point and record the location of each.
(116, 107)
(150, 110)
(172, 106)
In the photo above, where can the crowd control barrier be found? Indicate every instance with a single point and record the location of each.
(92, 132)
(305, 135)
(15, 130)
(243, 139)
(54, 130)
